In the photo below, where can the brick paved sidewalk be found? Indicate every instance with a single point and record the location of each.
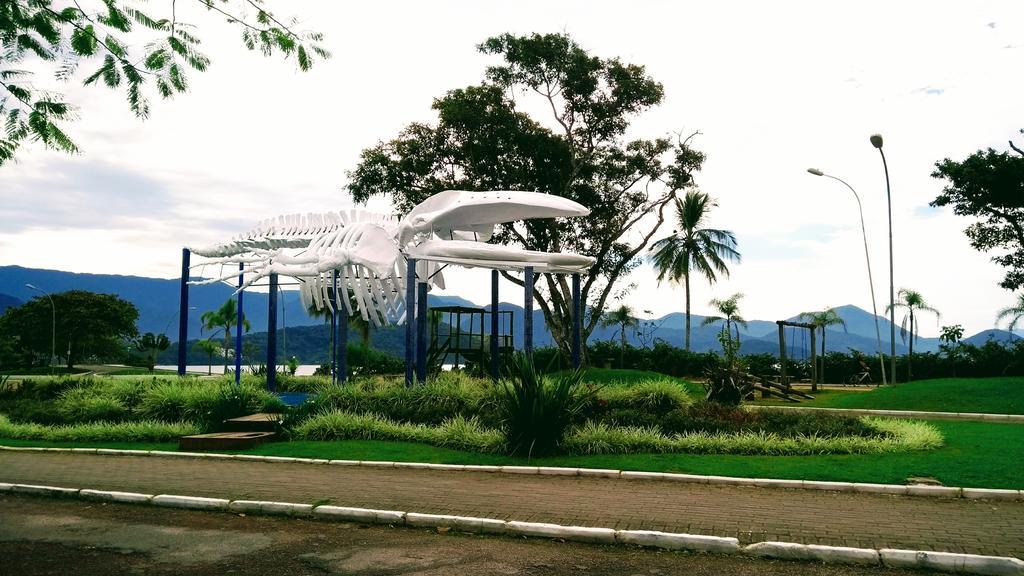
(748, 513)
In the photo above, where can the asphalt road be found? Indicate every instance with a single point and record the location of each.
(49, 536)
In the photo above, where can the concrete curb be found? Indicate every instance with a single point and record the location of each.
(939, 561)
(920, 414)
(867, 487)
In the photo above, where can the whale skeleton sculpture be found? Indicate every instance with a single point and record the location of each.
(369, 251)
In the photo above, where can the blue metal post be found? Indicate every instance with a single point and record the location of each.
(342, 341)
(494, 325)
(528, 311)
(334, 329)
(238, 328)
(410, 319)
(577, 321)
(272, 335)
(183, 313)
(421, 333)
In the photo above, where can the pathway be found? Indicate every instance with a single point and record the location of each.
(748, 513)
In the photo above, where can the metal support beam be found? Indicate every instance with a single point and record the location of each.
(410, 320)
(814, 361)
(494, 325)
(528, 310)
(183, 314)
(421, 332)
(782, 354)
(334, 327)
(272, 335)
(238, 327)
(343, 342)
(577, 321)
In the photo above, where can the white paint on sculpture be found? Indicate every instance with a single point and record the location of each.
(368, 250)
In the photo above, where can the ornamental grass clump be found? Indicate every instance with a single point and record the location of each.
(142, 431)
(536, 411)
(891, 436)
(456, 433)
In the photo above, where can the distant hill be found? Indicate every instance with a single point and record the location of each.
(157, 301)
(8, 301)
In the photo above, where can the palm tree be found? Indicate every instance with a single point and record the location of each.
(1014, 312)
(914, 303)
(729, 313)
(693, 247)
(623, 318)
(208, 347)
(823, 319)
(224, 318)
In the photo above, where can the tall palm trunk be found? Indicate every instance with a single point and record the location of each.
(822, 378)
(910, 355)
(227, 344)
(622, 350)
(687, 342)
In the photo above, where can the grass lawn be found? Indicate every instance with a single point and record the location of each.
(976, 454)
(991, 395)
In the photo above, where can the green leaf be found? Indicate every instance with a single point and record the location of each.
(304, 61)
(83, 41)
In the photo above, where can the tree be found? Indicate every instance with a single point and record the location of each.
(208, 347)
(989, 186)
(913, 302)
(729, 314)
(87, 325)
(822, 320)
(103, 33)
(693, 247)
(152, 344)
(1014, 312)
(224, 318)
(485, 140)
(623, 318)
(951, 346)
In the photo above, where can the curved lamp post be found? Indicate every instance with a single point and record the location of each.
(867, 258)
(876, 141)
(53, 326)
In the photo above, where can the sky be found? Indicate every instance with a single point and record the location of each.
(773, 87)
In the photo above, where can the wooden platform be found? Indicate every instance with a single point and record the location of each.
(261, 422)
(223, 441)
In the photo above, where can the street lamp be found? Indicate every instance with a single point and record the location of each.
(867, 258)
(53, 326)
(876, 141)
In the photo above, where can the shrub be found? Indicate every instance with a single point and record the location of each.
(536, 411)
(205, 403)
(144, 431)
(457, 433)
(894, 436)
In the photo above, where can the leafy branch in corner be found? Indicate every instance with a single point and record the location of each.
(136, 52)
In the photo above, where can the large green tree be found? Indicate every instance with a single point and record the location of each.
(1013, 312)
(728, 313)
(548, 117)
(87, 325)
(989, 186)
(914, 303)
(692, 247)
(142, 49)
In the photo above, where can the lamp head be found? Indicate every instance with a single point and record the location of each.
(31, 286)
(876, 141)
(815, 171)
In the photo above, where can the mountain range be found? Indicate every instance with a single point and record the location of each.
(157, 302)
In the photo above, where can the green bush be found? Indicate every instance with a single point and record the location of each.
(456, 433)
(535, 410)
(892, 436)
(206, 403)
(143, 431)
